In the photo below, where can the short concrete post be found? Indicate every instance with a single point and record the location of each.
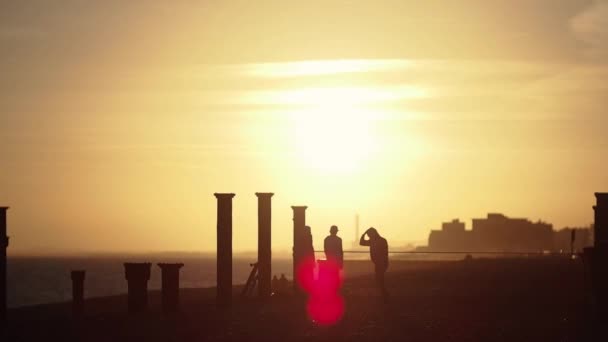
(170, 287)
(78, 292)
(137, 275)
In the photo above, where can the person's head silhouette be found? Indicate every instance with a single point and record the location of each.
(373, 233)
(333, 230)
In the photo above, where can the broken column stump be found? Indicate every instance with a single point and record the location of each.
(77, 292)
(137, 275)
(170, 287)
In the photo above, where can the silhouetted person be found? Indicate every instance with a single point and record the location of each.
(378, 250)
(276, 286)
(307, 264)
(333, 247)
(308, 250)
(283, 283)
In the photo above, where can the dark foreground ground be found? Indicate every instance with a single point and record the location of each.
(478, 300)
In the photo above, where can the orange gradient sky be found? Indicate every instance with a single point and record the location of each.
(119, 120)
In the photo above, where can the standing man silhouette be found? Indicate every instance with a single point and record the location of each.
(378, 250)
(333, 247)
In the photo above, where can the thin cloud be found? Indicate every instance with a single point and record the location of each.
(324, 67)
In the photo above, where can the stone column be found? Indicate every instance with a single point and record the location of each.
(3, 247)
(78, 292)
(264, 244)
(299, 222)
(224, 249)
(596, 257)
(601, 220)
(170, 287)
(137, 275)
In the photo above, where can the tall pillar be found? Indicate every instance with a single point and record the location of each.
(224, 249)
(601, 220)
(3, 247)
(299, 222)
(170, 287)
(78, 292)
(137, 275)
(596, 257)
(264, 244)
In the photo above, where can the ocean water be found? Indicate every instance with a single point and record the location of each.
(39, 280)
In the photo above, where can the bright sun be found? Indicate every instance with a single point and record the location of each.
(333, 126)
(334, 138)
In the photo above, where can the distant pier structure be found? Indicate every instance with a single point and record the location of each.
(3, 246)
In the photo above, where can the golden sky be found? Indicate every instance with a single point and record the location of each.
(119, 120)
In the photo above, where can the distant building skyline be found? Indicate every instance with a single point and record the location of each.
(500, 233)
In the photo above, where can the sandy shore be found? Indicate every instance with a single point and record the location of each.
(480, 300)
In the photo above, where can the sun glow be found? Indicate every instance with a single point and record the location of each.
(334, 139)
(334, 127)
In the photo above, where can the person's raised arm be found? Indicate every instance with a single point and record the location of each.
(363, 241)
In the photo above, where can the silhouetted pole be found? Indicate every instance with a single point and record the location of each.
(170, 287)
(572, 241)
(224, 249)
(137, 275)
(299, 222)
(264, 244)
(78, 292)
(3, 247)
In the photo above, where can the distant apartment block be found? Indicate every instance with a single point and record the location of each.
(499, 233)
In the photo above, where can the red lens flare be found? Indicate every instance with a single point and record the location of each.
(325, 304)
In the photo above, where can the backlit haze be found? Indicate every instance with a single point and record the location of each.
(120, 119)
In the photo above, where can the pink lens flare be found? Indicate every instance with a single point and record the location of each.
(325, 304)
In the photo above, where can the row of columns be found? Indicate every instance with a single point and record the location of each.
(224, 244)
(138, 274)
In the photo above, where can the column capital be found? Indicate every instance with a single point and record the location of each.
(264, 194)
(299, 207)
(223, 195)
(601, 197)
(78, 275)
(137, 270)
(172, 266)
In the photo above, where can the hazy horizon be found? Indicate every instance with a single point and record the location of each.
(119, 120)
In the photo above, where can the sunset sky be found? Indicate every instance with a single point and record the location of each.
(120, 119)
